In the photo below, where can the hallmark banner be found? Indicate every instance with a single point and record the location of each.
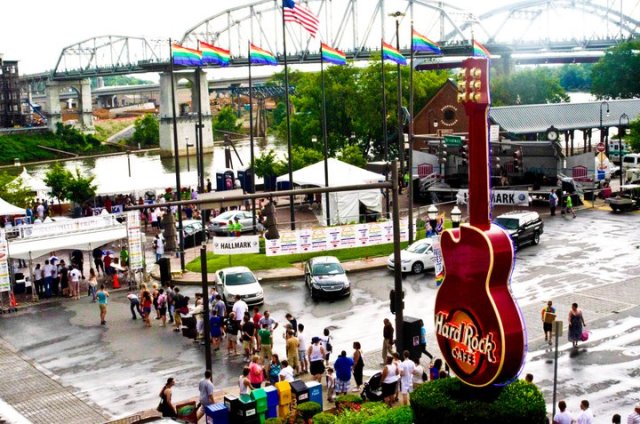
(236, 245)
(499, 197)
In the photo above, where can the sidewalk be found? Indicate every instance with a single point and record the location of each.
(37, 396)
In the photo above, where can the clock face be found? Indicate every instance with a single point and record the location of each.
(552, 135)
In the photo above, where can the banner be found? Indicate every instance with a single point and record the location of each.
(5, 280)
(438, 261)
(499, 197)
(330, 238)
(134, 234)
(236, 245)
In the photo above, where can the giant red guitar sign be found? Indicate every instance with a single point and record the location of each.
(478, 324)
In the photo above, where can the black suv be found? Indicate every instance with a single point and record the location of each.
(523, 227)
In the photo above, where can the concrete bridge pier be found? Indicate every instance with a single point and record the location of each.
(187, 117)
(85, 108)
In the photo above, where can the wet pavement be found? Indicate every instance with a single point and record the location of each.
(593, 260)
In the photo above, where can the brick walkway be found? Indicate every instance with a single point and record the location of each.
(37, 396)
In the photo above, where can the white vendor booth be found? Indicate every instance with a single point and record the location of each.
(344, 206)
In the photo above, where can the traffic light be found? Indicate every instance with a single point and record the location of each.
(463, 154)
(392, 301)
(516, 161)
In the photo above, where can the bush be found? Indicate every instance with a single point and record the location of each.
(309, 409)
(399, 415)
(348, 402)
(450, 400)
(274, 421)
(324, 418)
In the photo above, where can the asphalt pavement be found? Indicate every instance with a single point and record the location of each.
(118, 369)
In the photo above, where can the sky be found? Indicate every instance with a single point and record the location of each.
(34, 32)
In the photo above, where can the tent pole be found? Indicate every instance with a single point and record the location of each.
(34, 292)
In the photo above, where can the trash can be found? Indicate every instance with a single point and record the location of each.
(233, 405)
(315, 392)
(260, 397)
(411, 337)
(247, 410)
(272, 401)
(284, 393)
(300, 391)
(187, 411)
(218, 413)
(165, 270)
(219, 181)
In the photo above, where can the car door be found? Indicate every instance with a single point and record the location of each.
(220, 283)
(247, 221)
(307, 274)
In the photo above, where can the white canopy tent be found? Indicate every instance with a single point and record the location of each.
(7, 209)
(34, 184)
(344, 206)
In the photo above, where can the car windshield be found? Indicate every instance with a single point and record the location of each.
(508, 223)
(419, 247)
(327, 269)
(239, 279)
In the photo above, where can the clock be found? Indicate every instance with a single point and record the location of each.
(552, 134)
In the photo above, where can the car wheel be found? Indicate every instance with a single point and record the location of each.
(417, 267)
(314, 295)
(536, 238)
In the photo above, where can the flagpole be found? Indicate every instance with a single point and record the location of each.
(199, 143)
(176, 158)
(286, 100)
(399, 90)
(410, 158)
(385, 144)
(325, 137)
(253, 181)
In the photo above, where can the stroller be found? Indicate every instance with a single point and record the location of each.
(372, 389)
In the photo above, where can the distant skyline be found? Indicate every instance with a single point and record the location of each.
(34, 32)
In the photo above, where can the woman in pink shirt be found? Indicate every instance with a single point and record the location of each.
(256, 372)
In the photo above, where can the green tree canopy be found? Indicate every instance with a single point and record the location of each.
(56, 179)
(633, 138)
(13, 191)
(79, 188)
(265, 163)
(146, 131)
(615, 76)
(352, 154)
(530, 86)
(226, 120)
(575, 77)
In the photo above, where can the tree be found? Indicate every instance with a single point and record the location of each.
(78, 188)
(353, 155)
(265, 163)
(633, 138)
(615, 75)
(13, 191)
(531, 86)
(56, 179)
(575, 77)
(146, 131)
(226, 120)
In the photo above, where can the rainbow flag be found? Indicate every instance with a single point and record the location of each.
(332, 55)
(391, 53)
(185, 56)
(214, 55)
(480, 50)
(420, 43)
(257, 55)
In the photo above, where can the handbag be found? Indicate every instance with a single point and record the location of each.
(584, 336)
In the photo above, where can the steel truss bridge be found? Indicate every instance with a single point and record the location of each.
(357, 27)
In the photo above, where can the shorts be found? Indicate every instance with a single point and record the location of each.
(293, 360)
(177, 318)
(163, 311)
(547, 327)
(246, 344)
(103, 308)
(317, 367)
(389, 389)
(342, 386)
(265, 351)
(146, 312)
(302, 356)
(406, 386)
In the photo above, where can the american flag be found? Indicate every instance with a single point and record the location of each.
(294, 12)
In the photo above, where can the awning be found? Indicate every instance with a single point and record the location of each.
(20, 249)
(7, 208)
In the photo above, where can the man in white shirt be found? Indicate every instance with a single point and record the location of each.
(634, 417)
(562, 417)
(74, 276)
(586, 416)
(48, 277)
(286, 373)
(406, 377)
(240, 307)
(302, 349)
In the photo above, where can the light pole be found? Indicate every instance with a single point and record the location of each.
(606, 146)
(400, 133)
(432, 214)
(186, 139)
(129, 162)
(456, 216)
(622, 130)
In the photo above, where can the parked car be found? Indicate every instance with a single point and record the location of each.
(239, 280)
(523, 227)
(325, 276)
(192, 231)
(219, 224)
(415, 258)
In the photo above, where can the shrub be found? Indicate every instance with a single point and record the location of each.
(274, 421)
(348, 402)
(450, 400)
(324, 418)
(399, 415)
(309, 409)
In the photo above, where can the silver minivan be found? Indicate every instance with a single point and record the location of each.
(632, 160)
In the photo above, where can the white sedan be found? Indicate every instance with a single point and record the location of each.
(415, 258)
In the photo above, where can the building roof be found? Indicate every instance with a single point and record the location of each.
(528, 119)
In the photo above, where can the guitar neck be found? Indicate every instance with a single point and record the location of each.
(479, 215)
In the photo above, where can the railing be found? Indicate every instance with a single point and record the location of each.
(67, 226)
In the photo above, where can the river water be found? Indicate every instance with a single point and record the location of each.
(151, 172)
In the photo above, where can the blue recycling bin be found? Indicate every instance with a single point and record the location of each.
(601, 174)
(272, 401)
(283, 185)
(219, 181)
(315, 392)
(218, 413)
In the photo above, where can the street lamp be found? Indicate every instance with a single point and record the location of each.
(398, 15)
(602, 128)
(456, 216)
(314, 139)
(16, 162)
(432, 214)
(435, 126)
(622, 130)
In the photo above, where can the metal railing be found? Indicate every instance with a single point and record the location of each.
(66, 226)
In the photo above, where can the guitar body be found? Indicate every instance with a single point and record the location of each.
(478, 324)
(477, 319)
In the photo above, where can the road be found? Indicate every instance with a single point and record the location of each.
(593, 260)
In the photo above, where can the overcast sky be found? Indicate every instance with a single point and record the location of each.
(35, 31)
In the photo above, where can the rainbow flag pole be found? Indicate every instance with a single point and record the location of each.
(410, 158)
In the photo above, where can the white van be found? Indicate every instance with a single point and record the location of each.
(632, 160)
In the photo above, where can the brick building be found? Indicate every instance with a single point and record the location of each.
(10, 110)
(442, 114)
